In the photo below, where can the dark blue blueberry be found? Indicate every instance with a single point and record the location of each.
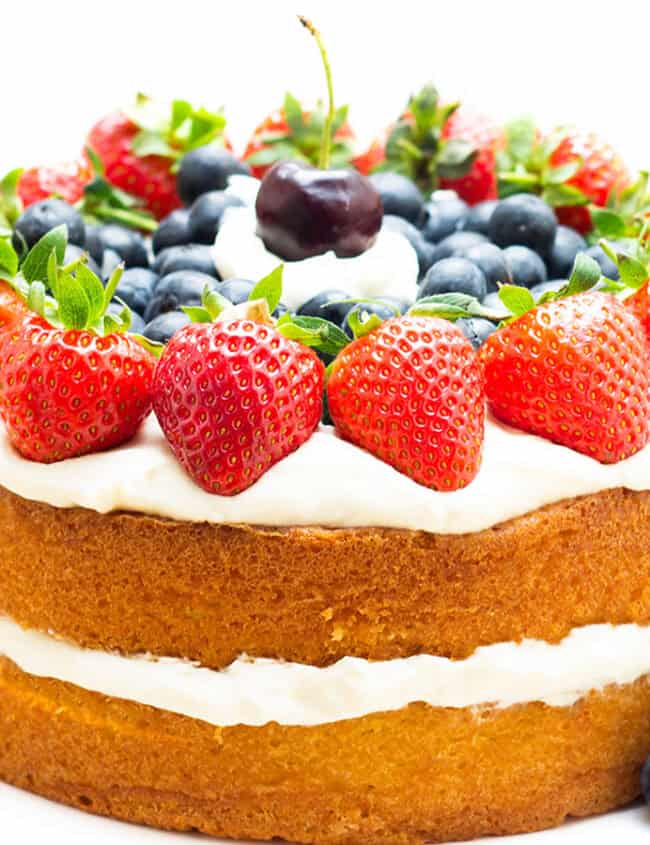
(127, 243)
(136, 288)
(454, 275)
(526, 267)
(607, 266)
(42, 217)
(443, 217)
(319, 306)
(384, 312)
(73, 252)
(567, 244)
(491, 261)
(207, 169)
(173, 230)
(476, 330)
(110, 260)
(236, 290)
(456, 244)
(553, 284)
(423, 249)
(184, 287)
(197, 257)
(399, 195)
(163, 327)
(645, 781)
(479, 216)
(206, 214)
(523, 220)
(137, 323)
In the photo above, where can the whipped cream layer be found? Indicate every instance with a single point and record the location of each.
(327, 482)
(389, 267)
(255, 692)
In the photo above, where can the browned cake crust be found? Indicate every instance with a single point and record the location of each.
(314, 595)
(409, 776)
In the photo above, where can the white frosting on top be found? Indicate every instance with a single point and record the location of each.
(389, 267)
(327, 481)
(255, 692)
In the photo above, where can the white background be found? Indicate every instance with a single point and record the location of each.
(64, 64)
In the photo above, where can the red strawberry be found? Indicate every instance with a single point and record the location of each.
(480, 183)
(600, 173)
(138, 149)
(234, 398)
(411, 393)
(66, 181)
(13, 308)
(573, 371)
(295, 133)
(639, 305)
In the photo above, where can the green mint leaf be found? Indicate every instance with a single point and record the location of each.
(8, 259)
(34, 266)
(74, 307)
(585, 274)
(517, 300)
(269, 288)
(94, 291)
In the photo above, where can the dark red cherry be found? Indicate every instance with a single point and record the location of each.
(304, 211)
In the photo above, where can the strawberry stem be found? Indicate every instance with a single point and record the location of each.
(326, 142)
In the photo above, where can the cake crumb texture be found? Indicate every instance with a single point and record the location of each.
(417, 775)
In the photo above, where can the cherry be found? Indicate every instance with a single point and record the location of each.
(304, 211)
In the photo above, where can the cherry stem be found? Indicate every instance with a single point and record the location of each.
(326, 142)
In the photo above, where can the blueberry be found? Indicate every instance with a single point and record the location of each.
(479, 216)
(197, 257)
(73, 252)
(384, 312)
(524, 220)
(163, 327)
(526, 267)
(491, 261)
(206, 214)
(184, 287)
(607, 266)
(542, 288)
(645, 781)
(207, 169)
(42, 217)
(127, 243)
(454, 275)
(443, 216)
(400, 196)
(137, 323)
(476, 330)
(456, 244)
(174, 230)
(136, 288)
(319, 306)
(110, 260)
(493, 302)
(567, 244)
(236, 290)
(423, 249)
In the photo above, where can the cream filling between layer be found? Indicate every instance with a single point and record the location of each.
(257, 691)
(326, 482)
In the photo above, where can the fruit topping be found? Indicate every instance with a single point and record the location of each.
(42, 217)
(304, 211)
(411, 393)
(173, 230)
(523, 220)
(207, 169)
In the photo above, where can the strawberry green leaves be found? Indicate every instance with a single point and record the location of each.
(269, 288)
(627, 212)
(452, 306)
(8, 259)
(35, 265)
(103, 202)
(10, 204)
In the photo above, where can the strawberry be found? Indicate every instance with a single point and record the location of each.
(439, 145)
(65, 181)
(71, 382)
(235, 397)
(573, 371)
(294, 133)
(138, 148)
(570, 169)
(639, 305)
(480, 183)
(411, 393)
(13, 308)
